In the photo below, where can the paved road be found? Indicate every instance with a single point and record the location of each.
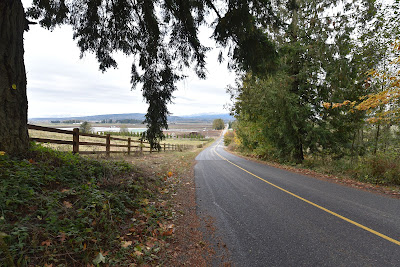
(270, 217)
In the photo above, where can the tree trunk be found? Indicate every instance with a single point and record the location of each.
(376, 139)
(294, 72)
(13, 100)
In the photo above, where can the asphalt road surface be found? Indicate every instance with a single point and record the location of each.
(270, 217)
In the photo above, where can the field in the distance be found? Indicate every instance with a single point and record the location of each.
(177, 130)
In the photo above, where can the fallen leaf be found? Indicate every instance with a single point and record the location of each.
(99, 258)
(168, 229)
(126, 244)
(48, 265)
(62, 237)
(46, 243)
(168, 232)
(67, 204)
(155, 233)
(64, 190)
(151, 243)
(138, 253)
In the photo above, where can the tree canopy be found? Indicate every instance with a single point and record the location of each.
(324, 50)
(218, 124)
(162, 38)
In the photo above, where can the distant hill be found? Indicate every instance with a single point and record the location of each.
(196, 118)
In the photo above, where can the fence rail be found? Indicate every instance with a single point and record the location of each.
(141, 146)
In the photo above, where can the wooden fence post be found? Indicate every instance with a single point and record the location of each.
(108, 142)
(141, 146)
(164, 147)
(75, 141)
(129, 146)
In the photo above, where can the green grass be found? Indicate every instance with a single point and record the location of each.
(67, 210)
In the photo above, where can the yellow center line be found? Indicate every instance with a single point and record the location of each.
(313, 204)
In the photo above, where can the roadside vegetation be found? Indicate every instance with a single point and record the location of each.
(330, 105)
(60, 209)
(382, 168)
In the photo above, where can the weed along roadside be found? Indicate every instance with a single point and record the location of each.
(63, 209)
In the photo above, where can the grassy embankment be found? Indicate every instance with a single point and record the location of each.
(378, 169)
(68, 210)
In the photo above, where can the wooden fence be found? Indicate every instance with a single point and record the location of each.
(141, 146)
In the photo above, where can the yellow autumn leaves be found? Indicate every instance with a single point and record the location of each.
(384, 104)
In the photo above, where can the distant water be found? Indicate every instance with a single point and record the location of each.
(111, 129)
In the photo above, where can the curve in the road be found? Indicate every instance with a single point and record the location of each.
(314, 204)
(266, 216)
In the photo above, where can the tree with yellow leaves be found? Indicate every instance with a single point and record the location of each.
(383, 105)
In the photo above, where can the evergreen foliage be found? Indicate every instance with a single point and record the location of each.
(322, 58)
(162, 37)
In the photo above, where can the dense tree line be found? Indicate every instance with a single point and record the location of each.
(326, 50)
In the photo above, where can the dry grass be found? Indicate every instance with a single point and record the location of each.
(95, 148)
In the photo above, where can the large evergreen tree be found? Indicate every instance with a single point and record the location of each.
(160, 35)
(319, 61)
(13, 99)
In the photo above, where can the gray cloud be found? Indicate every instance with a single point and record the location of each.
(59, 83)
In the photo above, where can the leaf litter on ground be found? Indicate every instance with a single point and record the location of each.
(66, 209)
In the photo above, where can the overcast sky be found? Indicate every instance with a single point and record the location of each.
(60, 84)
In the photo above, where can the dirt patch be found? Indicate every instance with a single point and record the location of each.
(190, 242)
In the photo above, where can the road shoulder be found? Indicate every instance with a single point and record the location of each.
(393, 192)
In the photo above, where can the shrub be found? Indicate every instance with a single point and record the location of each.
(228, 138)
(124, 130)
(381, 169)
(85, 127)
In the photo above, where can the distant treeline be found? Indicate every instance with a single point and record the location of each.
(67, 121)
(125, 132)
(122, 121)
